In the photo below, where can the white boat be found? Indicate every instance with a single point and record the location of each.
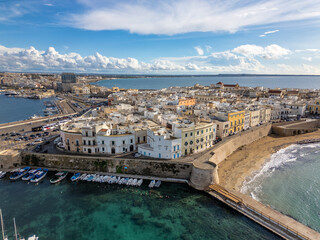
(152, 183)
(134, 182)
(129, 181)
(158, 183)
(2, 174)
(39, 176)
(30, 174)
(139, 183)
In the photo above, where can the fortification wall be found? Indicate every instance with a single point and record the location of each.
(165, 169)
(204, 170)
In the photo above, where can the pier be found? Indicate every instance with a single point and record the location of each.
(282, 225)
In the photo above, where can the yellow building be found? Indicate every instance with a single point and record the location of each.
(196, 137)
(236, 120)
(314, 108)
(187, 102)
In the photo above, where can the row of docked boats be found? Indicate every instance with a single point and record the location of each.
(37, 175)
(107, 179)
(112, 180)
(27, 174)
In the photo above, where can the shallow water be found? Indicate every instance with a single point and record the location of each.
(101, 211)
(290, 183)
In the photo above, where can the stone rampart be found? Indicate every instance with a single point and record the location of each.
(204, 170)
(156, 168)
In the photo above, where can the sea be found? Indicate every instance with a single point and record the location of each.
(290, 182)
(15, 109)
(305, 82)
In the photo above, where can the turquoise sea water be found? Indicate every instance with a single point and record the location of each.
(290, 183)
(14, 109)
(307, 82)
(101, 211)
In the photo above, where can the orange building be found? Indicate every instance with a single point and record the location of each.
(187, 102)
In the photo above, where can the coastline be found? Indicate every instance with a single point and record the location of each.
(234, 170)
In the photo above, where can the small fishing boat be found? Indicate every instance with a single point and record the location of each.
(152, 183)
(2, 174)
(30, 174)
(39, 176)
(139, 183)
(75, 177)
(158, 183)
(19, 173)
(134, 182)
(58, 177)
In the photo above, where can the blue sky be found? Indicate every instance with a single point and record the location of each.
(161, 37)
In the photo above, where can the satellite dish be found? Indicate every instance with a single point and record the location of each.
(108, 132)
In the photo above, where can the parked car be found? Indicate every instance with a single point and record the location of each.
(137, 155)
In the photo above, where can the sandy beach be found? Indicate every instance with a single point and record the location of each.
(248, 159)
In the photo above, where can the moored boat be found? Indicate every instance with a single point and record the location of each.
(152, 183)
(75, 177)
(2, 174)
(58, 177)
(139, 183)
(39, 176)
(30, 174)
(158, 183)
(19, 173)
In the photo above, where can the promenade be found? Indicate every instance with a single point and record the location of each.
(280, 224)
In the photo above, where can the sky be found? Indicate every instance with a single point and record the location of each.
(161, 36)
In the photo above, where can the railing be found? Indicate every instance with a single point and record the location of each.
(277, 222)
(235, 199)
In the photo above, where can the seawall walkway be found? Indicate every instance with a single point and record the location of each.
(269, 218)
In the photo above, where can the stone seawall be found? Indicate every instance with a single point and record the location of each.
(165, 169)
(204, 170)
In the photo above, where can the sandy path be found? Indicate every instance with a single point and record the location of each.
(248, 159)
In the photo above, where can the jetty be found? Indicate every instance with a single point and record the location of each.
(280, 224)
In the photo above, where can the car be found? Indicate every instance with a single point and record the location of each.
(38, 140)
(33, 136)
(38, 134)
(17, 139)
(22, 130)
(38, 148)
(137, 155)
(45, 133)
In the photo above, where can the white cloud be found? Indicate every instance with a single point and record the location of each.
(269, 32)
(243, 59)
(48, 4)
(270, 52)
(199, 50)
(182, 16)
(309, 59)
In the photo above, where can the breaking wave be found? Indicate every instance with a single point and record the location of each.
(284, 157)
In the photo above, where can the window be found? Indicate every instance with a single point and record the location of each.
(191, 134)
(77, 142)
(197, 132)
(103, 149)
(159, 155)
(174, 155)
(174, 148)
(112, 142)
(102, 141)
(138, 139)
(144, 138)
(86, 134)
(131, 140)
(201, 131)
(186, 143)
(177, 147)
(89, 142)
(94, 142)
(84, 142)
(68, 141)
(123, 142)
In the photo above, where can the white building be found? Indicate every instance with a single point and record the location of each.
(160, 144)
